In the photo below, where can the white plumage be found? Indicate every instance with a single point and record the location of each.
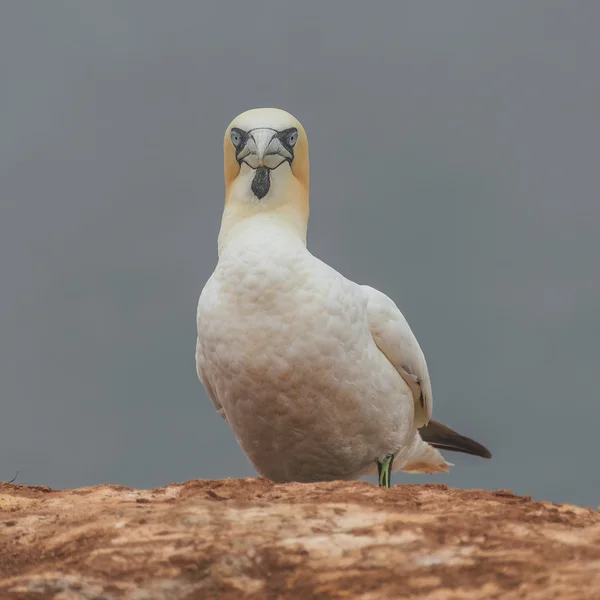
(318, 377)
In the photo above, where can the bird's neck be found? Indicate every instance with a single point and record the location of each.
(285, 213)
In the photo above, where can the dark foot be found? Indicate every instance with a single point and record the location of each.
(384, 469)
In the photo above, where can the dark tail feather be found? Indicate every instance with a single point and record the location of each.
(444, 438)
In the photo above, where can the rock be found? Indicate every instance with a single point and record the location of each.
(252, 539)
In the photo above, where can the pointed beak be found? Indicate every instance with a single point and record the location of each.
(264, 149)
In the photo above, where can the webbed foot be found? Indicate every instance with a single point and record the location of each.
(384, 469)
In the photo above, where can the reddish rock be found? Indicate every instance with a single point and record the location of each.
(251, 539)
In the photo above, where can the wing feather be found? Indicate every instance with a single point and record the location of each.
(397, 342)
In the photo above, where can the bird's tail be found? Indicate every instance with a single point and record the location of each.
(442, 437)
(425, 456)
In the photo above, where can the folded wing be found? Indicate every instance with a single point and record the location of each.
(398, 343)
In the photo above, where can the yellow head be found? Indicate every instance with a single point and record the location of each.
(266, 165)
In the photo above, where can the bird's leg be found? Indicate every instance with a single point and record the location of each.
(384, 469)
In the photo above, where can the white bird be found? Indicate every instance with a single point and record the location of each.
(319, 378)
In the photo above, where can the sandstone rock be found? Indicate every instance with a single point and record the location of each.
(251, 539)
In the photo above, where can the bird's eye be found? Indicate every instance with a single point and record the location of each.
(292, 138)
(236, 137)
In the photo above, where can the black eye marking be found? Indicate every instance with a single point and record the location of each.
(288, 139)
(238, 138)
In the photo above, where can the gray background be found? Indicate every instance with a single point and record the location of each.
(455, 165)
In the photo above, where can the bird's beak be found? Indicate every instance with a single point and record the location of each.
(264, 149)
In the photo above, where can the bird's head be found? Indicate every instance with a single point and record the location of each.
(266, 160)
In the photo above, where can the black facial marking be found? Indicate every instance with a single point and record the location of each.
(238, 138)
(261, 182)
(288, 139)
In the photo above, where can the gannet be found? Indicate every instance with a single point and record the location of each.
(320, 378)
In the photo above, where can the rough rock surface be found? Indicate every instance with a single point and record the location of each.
(238, 539)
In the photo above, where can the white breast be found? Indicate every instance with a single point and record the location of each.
(286, 349)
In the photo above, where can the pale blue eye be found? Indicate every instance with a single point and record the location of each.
(238, 137)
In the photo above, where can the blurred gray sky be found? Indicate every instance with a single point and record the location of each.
(455, 166)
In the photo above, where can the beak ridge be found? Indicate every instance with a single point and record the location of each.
(263, 149)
